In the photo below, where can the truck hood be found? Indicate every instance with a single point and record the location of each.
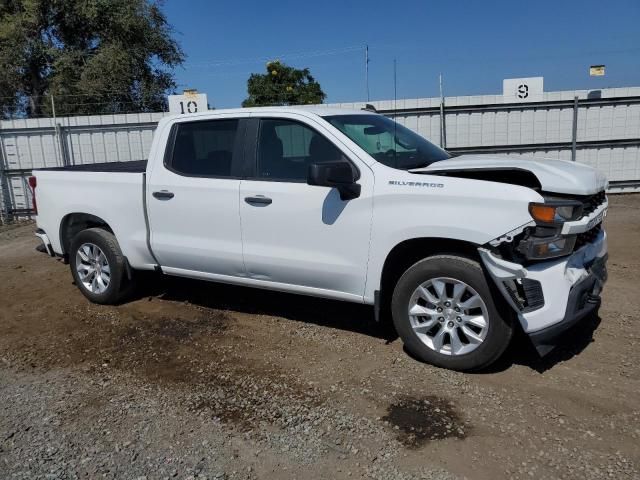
(557, 176)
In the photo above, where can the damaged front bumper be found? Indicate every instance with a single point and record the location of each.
(549, 297)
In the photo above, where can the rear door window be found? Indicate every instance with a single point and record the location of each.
(204, 148)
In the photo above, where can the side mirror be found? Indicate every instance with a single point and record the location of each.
(339, 175)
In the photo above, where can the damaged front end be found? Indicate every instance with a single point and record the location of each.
(552, 270)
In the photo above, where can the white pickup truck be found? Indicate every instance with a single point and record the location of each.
(343, 204)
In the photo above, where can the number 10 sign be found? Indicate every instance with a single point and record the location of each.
(188, 102)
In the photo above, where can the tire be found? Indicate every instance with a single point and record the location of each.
(471, 338)
(109, 285)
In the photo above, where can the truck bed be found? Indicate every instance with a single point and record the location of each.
(138, 166)
(113, 192)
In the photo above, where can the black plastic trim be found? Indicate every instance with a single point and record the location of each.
(127, 268)
(258, 200)
(134, 166)
(237, 158)
(376, 305)
(250, 148)
(533, 294)
(581, 303)
(163, 195)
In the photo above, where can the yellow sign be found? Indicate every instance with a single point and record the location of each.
(596, 70)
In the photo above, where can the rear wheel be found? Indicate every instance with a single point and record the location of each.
(445, 313)
(98, 266)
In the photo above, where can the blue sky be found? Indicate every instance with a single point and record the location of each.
(475, 44)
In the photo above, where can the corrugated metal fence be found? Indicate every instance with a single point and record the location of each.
(36, 143)
(600, 128)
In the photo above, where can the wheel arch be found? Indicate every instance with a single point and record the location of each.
(74, 223)
(410, 251)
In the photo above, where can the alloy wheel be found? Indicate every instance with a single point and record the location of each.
(93, 268)
(448, 316)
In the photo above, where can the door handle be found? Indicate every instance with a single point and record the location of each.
(163, 195)
(258, 200)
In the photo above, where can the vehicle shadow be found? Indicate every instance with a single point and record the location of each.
(570, 344)
(337, 314)
(347, 316)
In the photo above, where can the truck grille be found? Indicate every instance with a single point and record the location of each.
(592, 202)
(587, 237)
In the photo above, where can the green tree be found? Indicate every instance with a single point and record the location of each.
(93, 56)
(283, 85)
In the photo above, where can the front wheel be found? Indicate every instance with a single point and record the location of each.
(98, 266)
(445, 313)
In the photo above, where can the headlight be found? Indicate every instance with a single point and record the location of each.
(538, 248)
(555, 212)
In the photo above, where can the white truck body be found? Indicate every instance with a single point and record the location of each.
(307, 239)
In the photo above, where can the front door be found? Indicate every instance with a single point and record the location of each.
(297, 234)
(193, 199)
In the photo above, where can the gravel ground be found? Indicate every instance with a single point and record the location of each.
(197, 380)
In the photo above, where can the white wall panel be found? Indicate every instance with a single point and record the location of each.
(27, 144)
(32, 143)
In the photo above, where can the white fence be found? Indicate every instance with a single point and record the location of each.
(36, 143)
(600, 128)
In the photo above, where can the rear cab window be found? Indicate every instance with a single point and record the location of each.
(204, 148)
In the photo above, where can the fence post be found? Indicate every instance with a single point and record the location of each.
(574, 130)
(5, 198)
(62, 156)
(62, 145)
(58, 149)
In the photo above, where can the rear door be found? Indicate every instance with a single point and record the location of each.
(301, 235)
(193, 201)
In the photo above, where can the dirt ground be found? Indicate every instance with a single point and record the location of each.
(197, 380)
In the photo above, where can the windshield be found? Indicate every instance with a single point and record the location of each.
(387, 141)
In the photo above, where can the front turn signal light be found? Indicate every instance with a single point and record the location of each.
(542, 213)
(555, 212)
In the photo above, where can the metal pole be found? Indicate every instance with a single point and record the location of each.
(395, 88)
(53, 108)
(58, 150)
(443, 131)
(574, 130)
(366, 68)
(5, 194)
(395, 113)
